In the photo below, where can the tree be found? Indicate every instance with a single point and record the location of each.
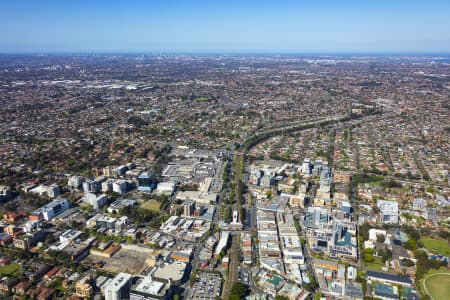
(381, 238)
(407, 262)
(317, 296)
(237, 291)
(279, 297)
(411, 244)
(364, 231)
(386, 255)
(312, 283)
(368, 255)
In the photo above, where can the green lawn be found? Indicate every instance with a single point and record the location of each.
(11, 269)
(202, 99)
(431, 272)
(376, 265)
(438, 286)
(438, 246)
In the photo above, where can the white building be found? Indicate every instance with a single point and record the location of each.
(107, 186)
(306, 166)
(148, 288)
(96, 201)
(166, 188)
(224, 237)
(51, 191)
(120, 187)
(373, 233)
(388, 211)
(119, 287)
(75, 182)
(52, 209)
(5, 192)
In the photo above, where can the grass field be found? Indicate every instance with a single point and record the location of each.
(202, 99)
(10, 269)
(151, 205)
(377, 265)
(438, 246)
(438, 286)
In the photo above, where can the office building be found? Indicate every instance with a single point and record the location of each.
(316, 216)
(146, 183)
(97, 202)
(120, 187)
(51, 209)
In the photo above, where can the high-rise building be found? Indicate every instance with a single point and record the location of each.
(96, 201)
(120, 186)
(188, 208)
(91, 186)
(316, 216)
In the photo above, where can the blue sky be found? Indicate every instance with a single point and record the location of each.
(312, 26)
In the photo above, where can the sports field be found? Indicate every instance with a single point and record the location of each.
(438, 286)
(151, 205)
(11, 269)
(438, 246)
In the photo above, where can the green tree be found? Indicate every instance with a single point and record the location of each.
(411, 244)
(237, 291)
(381, 238)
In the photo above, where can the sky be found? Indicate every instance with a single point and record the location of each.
(216, 26)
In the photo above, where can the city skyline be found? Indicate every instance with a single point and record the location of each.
(323, 27)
